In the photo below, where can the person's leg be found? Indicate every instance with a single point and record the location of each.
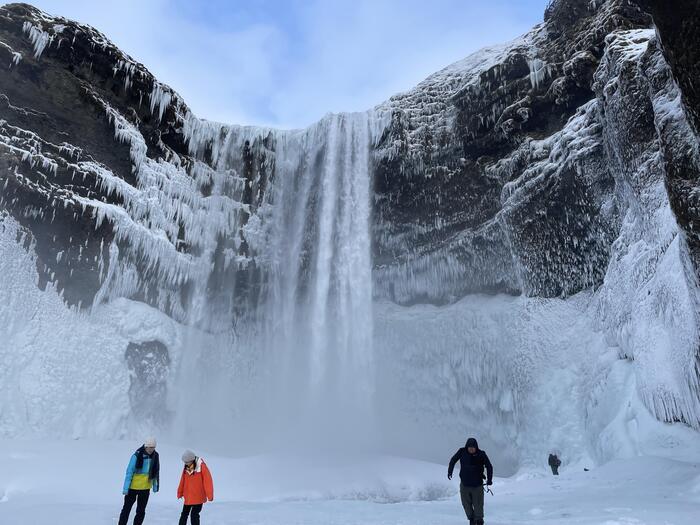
(142, 501)
(129, 499)
(478, 499)
(183, 515)
(555, 469)
(194, 517)
(466, 502)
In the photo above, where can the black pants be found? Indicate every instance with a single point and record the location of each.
(473, 503)
(192, 511)
(555, 469)
(134, 495)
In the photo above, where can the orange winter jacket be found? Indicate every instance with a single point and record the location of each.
(196, 487)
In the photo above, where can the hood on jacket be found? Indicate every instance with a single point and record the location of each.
(471, 442)
(197, 466)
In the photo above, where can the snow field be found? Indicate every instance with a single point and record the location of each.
(79, 481)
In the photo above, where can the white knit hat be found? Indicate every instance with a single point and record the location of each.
(188, 456)
(150, 442)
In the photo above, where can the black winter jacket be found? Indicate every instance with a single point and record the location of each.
(471, 466)
(554, 461)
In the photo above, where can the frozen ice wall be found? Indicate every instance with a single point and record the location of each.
(63, 370)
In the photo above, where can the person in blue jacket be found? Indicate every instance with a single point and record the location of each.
(142, 476)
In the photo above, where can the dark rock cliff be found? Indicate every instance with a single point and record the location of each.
(81, 123)
(500, 173)
(463, 184)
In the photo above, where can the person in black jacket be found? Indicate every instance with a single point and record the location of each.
(554, 463)
(471, 475)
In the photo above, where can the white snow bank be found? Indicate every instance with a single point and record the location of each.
(56, 471)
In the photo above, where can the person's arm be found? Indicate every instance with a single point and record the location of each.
(131, 467)
(156, 479)
(208, 482)
(489, 469)
(181, 486)
(453, 462)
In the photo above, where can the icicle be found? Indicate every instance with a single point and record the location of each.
(160, 99)
(40, 39)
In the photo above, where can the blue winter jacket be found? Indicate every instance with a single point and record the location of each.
(131, 470)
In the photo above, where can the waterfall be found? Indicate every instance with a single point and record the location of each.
(309, 336)
(320, 310)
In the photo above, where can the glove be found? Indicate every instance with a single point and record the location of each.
(489, 482)
(125, 492)
(449, 476)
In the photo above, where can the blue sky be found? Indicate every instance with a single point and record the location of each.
(287, 63)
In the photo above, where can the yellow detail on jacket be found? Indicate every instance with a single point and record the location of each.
(140, 482)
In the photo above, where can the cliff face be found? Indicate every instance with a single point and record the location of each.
(564, 161)
(95, 158)
(678, 27)
(492, 175)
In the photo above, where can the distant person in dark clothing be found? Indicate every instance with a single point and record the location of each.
(472, 462)
(554, 462)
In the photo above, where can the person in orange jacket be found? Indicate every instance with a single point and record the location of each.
(196, 486)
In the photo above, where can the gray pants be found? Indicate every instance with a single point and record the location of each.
(473, 502)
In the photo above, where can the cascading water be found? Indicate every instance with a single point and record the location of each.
(309, 338)
(318, 313)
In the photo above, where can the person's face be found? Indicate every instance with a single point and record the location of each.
(149, 450)
(471, 450)
(189, 464)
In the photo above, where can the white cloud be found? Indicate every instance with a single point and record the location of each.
(346, 55)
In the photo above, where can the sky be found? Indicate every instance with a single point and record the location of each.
(287, 63)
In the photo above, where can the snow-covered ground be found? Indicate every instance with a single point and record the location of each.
(48, 482)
